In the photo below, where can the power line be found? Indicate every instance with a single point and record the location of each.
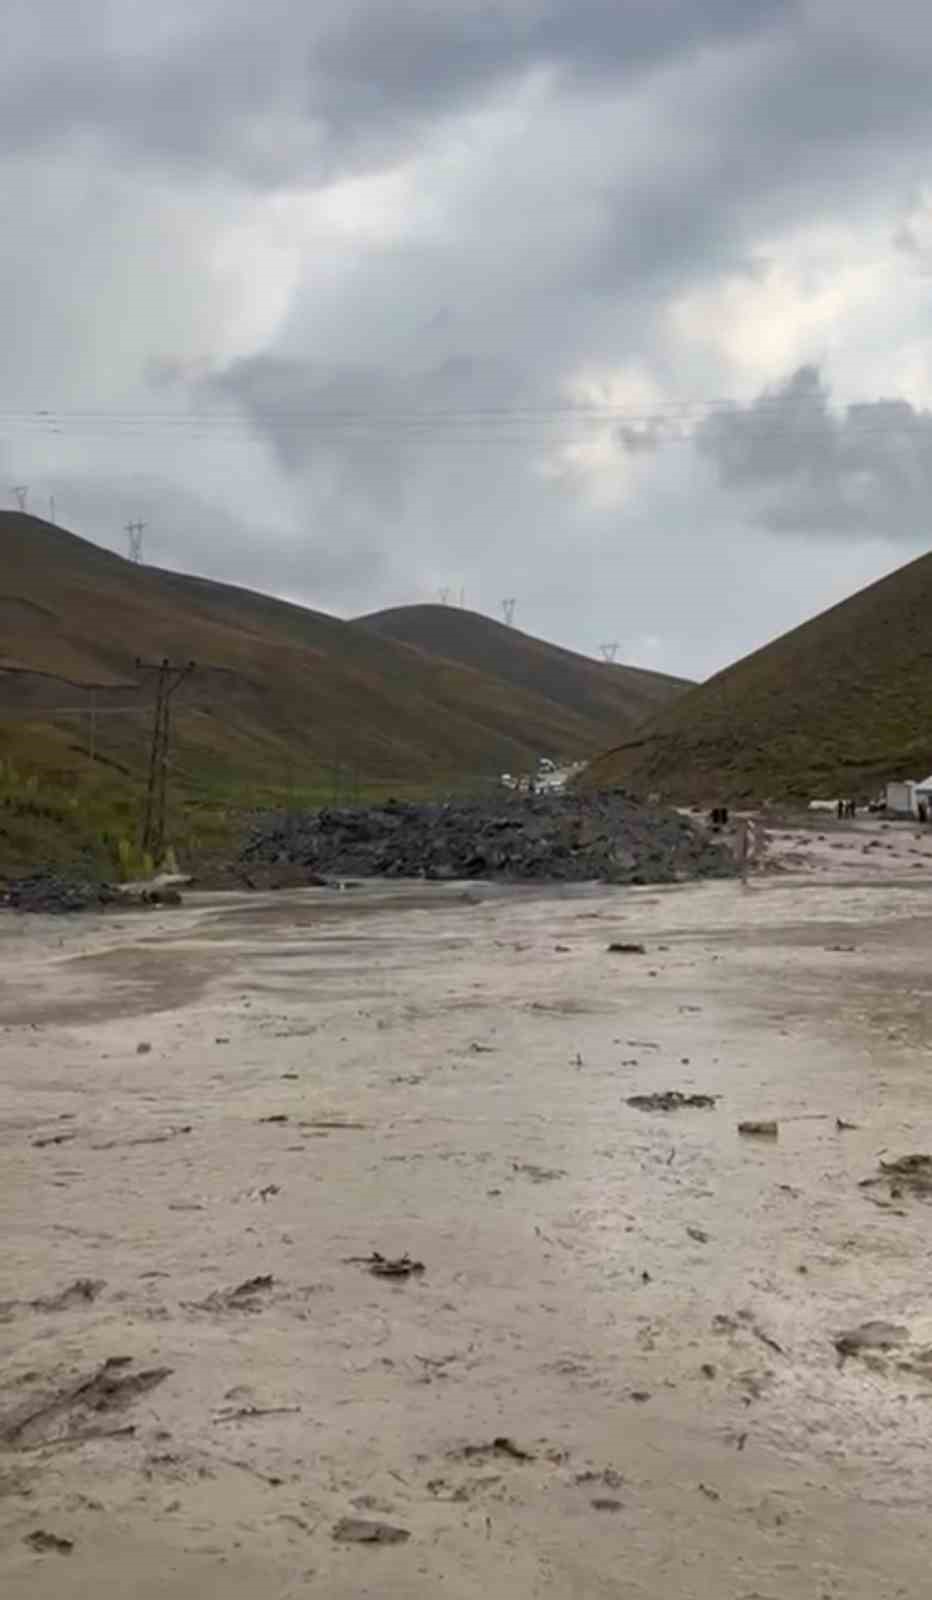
(667, 413)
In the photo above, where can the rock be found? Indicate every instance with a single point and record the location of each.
(568, 837)
(55, 894)
(47, 1543)
(356, 1530)
(759, 1130)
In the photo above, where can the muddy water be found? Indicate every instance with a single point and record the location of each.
(644, 1303)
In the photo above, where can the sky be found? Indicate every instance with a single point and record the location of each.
(618, 308)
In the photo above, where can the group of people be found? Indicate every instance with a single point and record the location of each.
(847, 808)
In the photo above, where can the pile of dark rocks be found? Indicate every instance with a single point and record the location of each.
(54, 893)
(557, 837)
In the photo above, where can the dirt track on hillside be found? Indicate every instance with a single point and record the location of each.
(643, 1306)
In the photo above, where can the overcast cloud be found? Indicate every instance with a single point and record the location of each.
(618, 306)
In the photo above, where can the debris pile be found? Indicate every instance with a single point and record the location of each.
(47, 891)
(569, 838)
(50, 892)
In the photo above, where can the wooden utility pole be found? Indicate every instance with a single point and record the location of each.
(169, 676)
(92, 728)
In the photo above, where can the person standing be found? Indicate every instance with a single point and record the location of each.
(745, 847)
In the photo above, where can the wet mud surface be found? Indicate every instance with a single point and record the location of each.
(336, 1260)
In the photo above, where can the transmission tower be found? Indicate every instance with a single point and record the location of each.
(168, 677)
(609, 651)
(444, 596)
(51, 508)
(21, 491)
(134, 532)
(508, 609)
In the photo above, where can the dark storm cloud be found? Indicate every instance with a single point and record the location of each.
(285, 93)
(566, 194)
(376, 62)
(863, 470)
(369, 419)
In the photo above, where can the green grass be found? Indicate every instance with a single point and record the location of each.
(88, 816)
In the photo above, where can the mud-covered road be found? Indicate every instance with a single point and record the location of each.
(212, 1117)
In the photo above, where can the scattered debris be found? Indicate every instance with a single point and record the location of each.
(699, 1234)
(619, 948)
(537, 1174)
(387, 1267)
(671, 1100)
(603, 1504)
(47, 1543)
(144, 1138)
(500, 1446)
(356, 1530)
(53, 1138)
(766, 1339)
(870, 1336)
(482, 1049)
(844, 1127)
(708, 1370)
(267, 1192)
(276, 1116)
(72, 1414)
(759, 1130)
(710, 1494)
(246, 1413)
(608, 1476)
(143, 1047)
(333, 1125)
(83, 1292)
(912, 1172)
(641, 1396)
(246, 1296)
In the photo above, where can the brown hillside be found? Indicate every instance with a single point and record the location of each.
(277, 687)
(838, 705)
(610, 695)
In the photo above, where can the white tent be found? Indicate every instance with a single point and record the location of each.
(901, 798)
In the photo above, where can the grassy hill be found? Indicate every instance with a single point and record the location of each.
(283, 700)
(607, 694)
(838, 705)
